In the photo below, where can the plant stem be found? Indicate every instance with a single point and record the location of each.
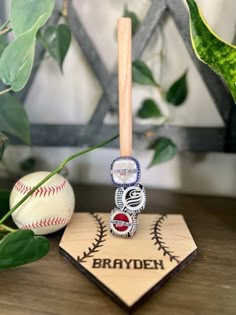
(64, 11)
(58, 169)
(7, 228)
(5, 30)
(160, 90)
(2, 230)
(5, 91)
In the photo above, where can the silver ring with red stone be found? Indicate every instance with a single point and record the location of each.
(131, 199)
(122, 224)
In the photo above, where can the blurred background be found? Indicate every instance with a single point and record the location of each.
(71, 99)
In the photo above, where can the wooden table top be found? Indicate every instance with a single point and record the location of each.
(52, 286)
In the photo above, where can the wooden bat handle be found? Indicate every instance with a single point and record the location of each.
(125, 85)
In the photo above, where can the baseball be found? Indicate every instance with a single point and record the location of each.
(48, 209)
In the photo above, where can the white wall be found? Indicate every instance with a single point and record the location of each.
(72, 99)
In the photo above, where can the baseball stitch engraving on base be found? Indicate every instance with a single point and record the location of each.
(98, 241)
(157, 236)
(128, 270)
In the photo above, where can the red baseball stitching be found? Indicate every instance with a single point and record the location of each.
(44, 191)
(45, 222)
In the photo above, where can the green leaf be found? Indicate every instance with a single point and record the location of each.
(13, 118)
(142, 74)
(149, 109)
(24, 14)
(3, 143)
(3, 44)
(165, 150)
(17, 59)
(16, 62)
(2, 234)
(134, 19)
(210, 49)
(56, 39)
(178, 91)
(22, 247)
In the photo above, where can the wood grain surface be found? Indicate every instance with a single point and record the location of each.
(129, 270)
(207, 286)
(124, 35)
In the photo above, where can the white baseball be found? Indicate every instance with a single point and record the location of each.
(48, 209)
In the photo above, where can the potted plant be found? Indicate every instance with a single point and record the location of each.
(18, 247)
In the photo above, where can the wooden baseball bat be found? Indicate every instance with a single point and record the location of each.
(124, 32)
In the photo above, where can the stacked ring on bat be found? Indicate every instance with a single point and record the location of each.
(131, 199)
(130, 196)
(122, 224)
(125, 171)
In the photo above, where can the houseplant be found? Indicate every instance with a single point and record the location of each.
(19, 247)
(26, 22)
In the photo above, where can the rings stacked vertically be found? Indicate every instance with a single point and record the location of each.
(130, 196)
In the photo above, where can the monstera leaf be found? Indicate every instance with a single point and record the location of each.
(212, 50)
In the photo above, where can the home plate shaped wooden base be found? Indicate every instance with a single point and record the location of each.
(128, 269)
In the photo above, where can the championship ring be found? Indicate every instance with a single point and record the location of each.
(125, 171)
(131, 199)
(122, 224)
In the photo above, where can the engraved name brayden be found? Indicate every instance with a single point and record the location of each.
(127, 263)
